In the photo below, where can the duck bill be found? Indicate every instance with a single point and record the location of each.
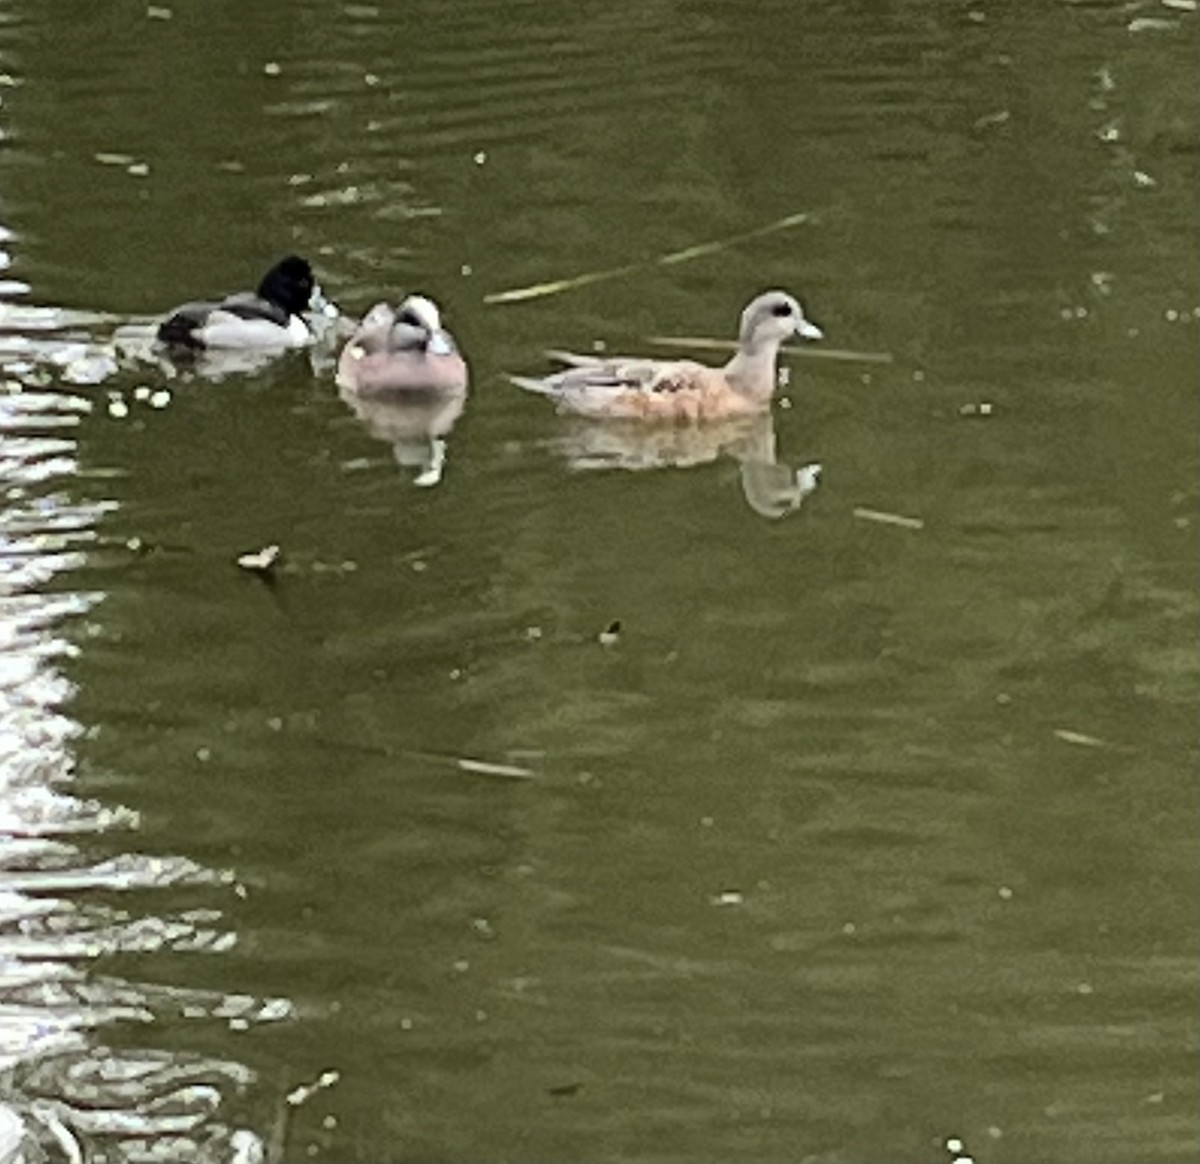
(319, 305)
(439, 344)
(808, 330)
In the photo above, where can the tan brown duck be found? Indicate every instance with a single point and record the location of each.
(634, 388)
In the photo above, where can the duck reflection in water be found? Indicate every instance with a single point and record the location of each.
(402, 375)
(770, 487)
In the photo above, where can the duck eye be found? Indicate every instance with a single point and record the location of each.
(782, 309)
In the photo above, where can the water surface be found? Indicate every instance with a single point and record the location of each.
(859, 837)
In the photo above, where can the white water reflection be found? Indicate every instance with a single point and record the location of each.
(66, 1095)
(44, 345)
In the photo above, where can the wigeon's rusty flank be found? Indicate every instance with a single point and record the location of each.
(633, 388)
(402, 352)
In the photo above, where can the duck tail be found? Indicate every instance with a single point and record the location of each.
(531, 384)
(179, 330)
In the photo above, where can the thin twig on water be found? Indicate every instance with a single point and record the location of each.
(670, 259)
(700, 343)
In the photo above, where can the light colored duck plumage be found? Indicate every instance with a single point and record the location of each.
(402, 352)
(635, 388)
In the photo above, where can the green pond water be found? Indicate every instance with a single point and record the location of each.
(865, 838)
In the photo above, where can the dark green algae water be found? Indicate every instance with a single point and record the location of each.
(860, 838)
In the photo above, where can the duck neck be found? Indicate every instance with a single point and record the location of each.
(752, 370)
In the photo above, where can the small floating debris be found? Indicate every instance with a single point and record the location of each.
(1000, 117)
(885, 518)
(261, 561)
(958, 1151)
(1143, 180)
(611, 634)
(538, 290)
(154, 12)
(564, 1090)
(983, 408)
(1079, 738)
(306, 1091)
(488, 768)
(727, 897)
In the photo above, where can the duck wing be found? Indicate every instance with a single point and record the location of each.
(629, 387)
(181, 326)
(247, 305)
(240, 320)
(624, 375)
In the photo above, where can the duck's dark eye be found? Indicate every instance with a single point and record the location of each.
(782, 309)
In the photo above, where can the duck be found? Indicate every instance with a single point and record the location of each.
(637, 388)
(402, 375)
(270, 317)
(402, 353)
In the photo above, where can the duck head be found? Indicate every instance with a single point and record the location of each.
(773, 317)
(291, 284)
(418, 326)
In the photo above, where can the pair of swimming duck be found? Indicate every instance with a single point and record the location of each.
(406, 350)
